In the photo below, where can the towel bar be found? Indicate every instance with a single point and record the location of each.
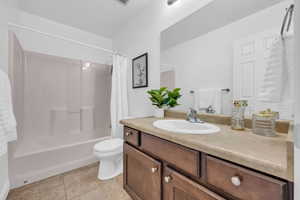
(223, 90)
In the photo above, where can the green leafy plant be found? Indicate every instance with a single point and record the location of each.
(173, 97)
(158, 97)
(164, 98)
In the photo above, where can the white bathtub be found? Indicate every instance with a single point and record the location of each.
(28, 165)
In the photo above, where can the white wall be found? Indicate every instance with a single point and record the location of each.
(142, 34)
(7, 13)
(297, 74)
(207, 61)
(32, 41)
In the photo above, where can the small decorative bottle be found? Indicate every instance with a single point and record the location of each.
(238, 114)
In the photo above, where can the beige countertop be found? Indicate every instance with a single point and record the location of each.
(273, 156)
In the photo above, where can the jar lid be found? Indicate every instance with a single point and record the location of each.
(240, 103)
(268, 113)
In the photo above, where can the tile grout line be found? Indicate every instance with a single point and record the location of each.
(65, 190)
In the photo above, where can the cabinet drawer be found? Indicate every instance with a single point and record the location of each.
(177, 186)
(180, 157)
(132, 136)
(243, 183)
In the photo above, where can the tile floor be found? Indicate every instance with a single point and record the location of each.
(79, 184)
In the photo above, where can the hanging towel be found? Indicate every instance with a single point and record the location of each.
(278, 75)
(8, 131)
(208, 97)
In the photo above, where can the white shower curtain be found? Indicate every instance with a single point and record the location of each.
(119, 95)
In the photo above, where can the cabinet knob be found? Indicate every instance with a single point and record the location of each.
(154, 169)
(168, 179)
(236, 181)
(127, 134)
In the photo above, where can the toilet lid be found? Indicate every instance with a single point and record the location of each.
(109, 145)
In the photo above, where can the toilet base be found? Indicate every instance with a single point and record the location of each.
(110, 168)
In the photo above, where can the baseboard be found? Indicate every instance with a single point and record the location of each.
(51, 171)
(4, 191)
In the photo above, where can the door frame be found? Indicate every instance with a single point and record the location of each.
(297, 95)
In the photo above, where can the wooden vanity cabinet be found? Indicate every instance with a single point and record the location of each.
(157, 169)
(179, 187)
(142, 175)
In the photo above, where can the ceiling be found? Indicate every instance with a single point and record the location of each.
(102, 17)
(213, 16)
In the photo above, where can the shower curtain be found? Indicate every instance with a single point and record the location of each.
(119, 98)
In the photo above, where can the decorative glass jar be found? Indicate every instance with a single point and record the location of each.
(264, 123)
(238, 114)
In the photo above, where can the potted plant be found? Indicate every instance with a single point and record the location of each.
(163, 99)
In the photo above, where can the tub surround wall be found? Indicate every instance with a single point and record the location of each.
(70, 106)
(8, 12)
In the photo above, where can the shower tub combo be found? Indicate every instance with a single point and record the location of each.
(62, 107)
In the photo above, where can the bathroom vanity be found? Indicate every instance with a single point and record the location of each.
(160, 165)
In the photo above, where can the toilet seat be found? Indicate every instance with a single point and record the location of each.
(111, 145)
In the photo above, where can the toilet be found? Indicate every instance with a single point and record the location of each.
(110, 154)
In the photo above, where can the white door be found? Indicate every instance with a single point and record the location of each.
(245, 64)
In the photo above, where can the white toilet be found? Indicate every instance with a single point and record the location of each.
(110, 154)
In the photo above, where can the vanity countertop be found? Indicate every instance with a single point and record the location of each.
(273, 156)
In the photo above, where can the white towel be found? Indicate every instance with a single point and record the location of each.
(277, 75)
(8, 131)
(208, 97)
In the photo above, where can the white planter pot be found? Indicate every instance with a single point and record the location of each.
(159, 112)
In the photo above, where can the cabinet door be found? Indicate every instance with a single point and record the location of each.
(179, 187)
(142, 175)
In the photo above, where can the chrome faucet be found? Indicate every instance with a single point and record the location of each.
(209, 109)
(193, 117)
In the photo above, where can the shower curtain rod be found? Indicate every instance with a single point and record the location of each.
(64, 38)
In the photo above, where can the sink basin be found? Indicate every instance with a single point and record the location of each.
(185, 127)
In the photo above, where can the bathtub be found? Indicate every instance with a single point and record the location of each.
(40, 161)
